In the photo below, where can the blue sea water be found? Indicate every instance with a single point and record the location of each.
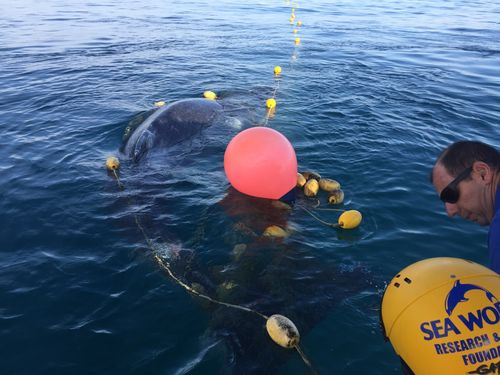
(371, 95)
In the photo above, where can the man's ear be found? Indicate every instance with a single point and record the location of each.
(483, 171)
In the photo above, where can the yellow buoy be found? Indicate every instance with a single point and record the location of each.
(282, 331)
(112, 163)
(270, 103)
(291, 19)
(350, 219)
(309, 174)
(297, 41)
(277, 70)
(336, 197)
(441, 316)
(275, 231)
(210, 95)
(327, 184)
(294, 31)
(160, 103)
(301, 180)
(311, 188)
(299, 23)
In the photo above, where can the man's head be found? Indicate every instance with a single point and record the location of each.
(465, 176)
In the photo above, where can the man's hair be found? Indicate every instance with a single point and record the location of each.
(462, 154)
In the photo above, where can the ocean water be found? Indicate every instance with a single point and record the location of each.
(370, 96)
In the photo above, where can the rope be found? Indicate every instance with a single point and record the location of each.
(166, 267)
(270, 111)
(293, 58)
(306, 360)
(333, 225)
(120, 185)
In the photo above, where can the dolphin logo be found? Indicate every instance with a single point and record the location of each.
(457, 295)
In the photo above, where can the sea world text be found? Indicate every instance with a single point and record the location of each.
(440, 328)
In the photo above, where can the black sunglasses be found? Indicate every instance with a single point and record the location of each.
(450, 193)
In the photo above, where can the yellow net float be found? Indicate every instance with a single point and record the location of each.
(112, 163)
(311, 188)
(159, 103)
(277, 70)
(328, 184)
(301, 180)
(271, 103)
(350, 219)
(297, 41)
(282, 331)
(309, 174)
(299, 23)
(336, 197)
(210, 95)
(275, 231)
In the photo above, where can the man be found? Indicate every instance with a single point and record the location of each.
(466, 176)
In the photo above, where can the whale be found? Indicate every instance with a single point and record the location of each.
(169, 125)
(222, 253)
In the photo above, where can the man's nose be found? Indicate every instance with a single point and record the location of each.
(451, 209)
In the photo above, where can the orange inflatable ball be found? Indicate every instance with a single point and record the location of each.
(261, 162)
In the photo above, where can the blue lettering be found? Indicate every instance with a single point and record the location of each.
(478, 342)
(438, 348)
(485, 340)
(465, 359)
(436, 328)
(427, 331)
(495, 352)
(473, 320)
(451, 347)
(463, 346)
(470, 343)
(487, 318)
(482, 356)
(487, 355)
(450, 326)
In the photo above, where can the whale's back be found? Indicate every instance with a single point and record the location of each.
(172, 124)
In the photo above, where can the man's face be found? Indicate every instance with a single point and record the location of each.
(471, 201)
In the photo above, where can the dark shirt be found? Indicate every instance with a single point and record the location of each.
(494, 235)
